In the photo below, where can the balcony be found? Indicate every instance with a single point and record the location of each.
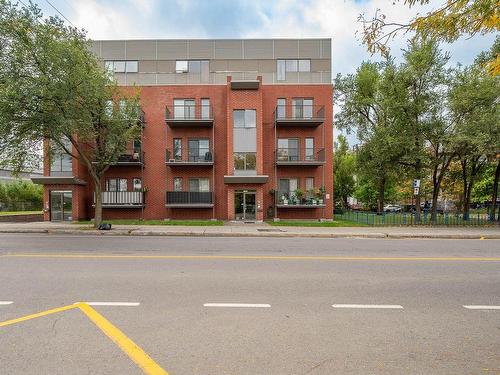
(130, 159)
(122, 199)
(300, 156)
(189, 199)
(299, 115)
(285, 199)
(188, 116)
(195, 157)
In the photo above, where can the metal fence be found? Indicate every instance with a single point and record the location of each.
(407, 218)
(20, 206)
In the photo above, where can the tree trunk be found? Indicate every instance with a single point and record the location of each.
(98, 204)
(495, 194)
(381, 195)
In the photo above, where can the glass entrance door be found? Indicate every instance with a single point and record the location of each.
(244, 205)
(61, 206)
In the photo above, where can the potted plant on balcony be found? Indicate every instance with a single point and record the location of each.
(320, 194)
(299, 193)
(312, 194)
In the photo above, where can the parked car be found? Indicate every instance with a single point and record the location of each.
(392, 208)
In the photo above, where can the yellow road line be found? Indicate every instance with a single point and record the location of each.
(37, 315)
(248, 257)
(130, 348)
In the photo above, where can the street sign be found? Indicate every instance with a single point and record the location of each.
(416, 183)
(416, 191)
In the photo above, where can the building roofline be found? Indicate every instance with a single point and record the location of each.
(202, 39)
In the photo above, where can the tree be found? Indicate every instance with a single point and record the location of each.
(53, 91)
(345, 165)
(418, 101)
(365, 98)
(448, 22)
(474, 105)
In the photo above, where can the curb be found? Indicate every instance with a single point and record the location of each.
(138, 232)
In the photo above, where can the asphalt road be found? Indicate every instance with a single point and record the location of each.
(419, 289)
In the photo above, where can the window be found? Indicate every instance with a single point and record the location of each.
(281, 108)
(199, 184)
(288, 149)
(302, 108)
(304, 65)
(199, 150)
(309, 183)
(181, 66)
(309, 150)
(137, 184)
(177, 149)
(177, 183)
(201, 67)
(116, 184)
(288, 186)
(121, 66)
(205, 108)
(61, 163)
(245, 161)
(281, 69)
(292, 66)
(244, 118)
(184, 108)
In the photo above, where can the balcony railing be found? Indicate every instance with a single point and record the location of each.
(287, 199)
(299, 115)
(131, 158)
(300, 156)
(117, 199)
(199, 156)
(189, 115)
(189, 199)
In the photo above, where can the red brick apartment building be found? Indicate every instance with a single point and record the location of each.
(233, 130)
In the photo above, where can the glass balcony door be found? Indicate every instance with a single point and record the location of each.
(302, 108)
(199, 149)
(184, 109)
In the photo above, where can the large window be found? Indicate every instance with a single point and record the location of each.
(292, 66)
(61, 163)
(199, 150)
(302, 108)
(184, 108)
(288, 186)
(244, 118)
(199, 184)
(245, 161)
(281, 108)
(288, 149)
(205, 109)
(200, 67)
(116, 184)
(130, 66)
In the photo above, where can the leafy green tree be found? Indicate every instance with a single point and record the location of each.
(367, 108)
(52, 90)
(418, 102)
(447, 22)
(16, 195)
(344, 171)
(474, 100)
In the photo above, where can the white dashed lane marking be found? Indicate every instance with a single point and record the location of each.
(236, 305)
(354, 306)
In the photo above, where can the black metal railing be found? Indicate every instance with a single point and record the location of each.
(131, 157)
(290, 154)
(198, 155)
(122, 198)
(189, 197)
(300, 112)
(189, 112)
(304, 198)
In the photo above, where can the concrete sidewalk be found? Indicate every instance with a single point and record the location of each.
(257, 230)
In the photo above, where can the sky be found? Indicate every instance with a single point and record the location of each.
(336, 19)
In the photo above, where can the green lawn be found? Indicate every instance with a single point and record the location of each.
(159, 222)
(306, 223)
(8, 213)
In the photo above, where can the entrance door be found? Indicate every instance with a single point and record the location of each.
(244, 205)
(61, 206)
